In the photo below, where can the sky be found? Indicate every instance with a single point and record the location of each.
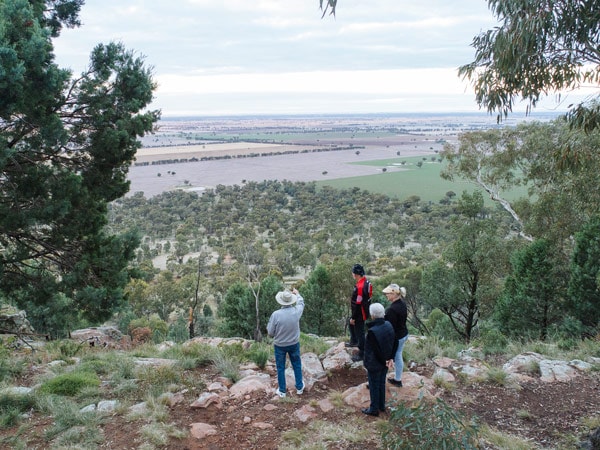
(255, 57)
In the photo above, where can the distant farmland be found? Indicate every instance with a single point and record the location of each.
(343, 152)
(404, 180)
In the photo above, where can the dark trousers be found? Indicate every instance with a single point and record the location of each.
(377, 389)
(357, 336)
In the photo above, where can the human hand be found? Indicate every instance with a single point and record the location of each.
(295, 291)
(351, 321)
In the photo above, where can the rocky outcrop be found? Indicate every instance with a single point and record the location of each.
(13, 321)
(109, 337)
(525, 366)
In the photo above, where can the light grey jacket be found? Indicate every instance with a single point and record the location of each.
(284, 324)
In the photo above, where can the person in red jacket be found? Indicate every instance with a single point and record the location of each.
(359, 302)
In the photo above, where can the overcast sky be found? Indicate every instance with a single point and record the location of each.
(226, 57)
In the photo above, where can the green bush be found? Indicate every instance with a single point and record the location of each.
(567, 344)
(313, 344)
(259, 354)
(439, 325)
(11, 367)
(158, 327)
(12, 406)
(70, 384)
(492, 341)
(65, 349)
(423, 350)
(227, 364)
(568, 328)
(429, 426)
(179, 330)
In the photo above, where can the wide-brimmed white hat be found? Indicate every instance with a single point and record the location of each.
(285, 298)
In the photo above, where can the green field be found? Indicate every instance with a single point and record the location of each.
(408, 180)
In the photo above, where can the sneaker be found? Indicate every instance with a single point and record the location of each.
(300, 391)
(395, 382)
(281, 394)
(351, 344)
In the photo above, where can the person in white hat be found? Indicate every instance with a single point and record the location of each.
(397, 314)
(284, 328)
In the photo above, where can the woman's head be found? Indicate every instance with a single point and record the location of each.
(393, 291)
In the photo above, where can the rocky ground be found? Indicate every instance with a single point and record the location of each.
(547, 415)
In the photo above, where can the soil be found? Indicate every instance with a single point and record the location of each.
(545, 414)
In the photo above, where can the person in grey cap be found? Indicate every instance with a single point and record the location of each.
(379, 346)
(284, 328)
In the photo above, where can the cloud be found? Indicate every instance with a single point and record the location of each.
(435, 81)
(280, 55)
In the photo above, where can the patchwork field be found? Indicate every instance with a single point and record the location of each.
(343, 152)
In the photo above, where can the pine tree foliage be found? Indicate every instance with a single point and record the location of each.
(65, 147)
(584, 295)
(532, 301)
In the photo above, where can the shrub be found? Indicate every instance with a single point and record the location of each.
(179, 330)
(70, 384)
(11, 367)
(158, 376)
(65, 349)
(313, 344)
(440, 325)
(567, 344)
(423, 350)
(159, 329)
(493, 341)
(429, 426)
(12, 407)
(497, 376)
(227, 364)
(141, 335)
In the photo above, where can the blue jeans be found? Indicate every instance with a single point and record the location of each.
(377, 389)
(280, 355)
(398, 361)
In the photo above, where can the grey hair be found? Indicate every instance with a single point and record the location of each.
(376, 310)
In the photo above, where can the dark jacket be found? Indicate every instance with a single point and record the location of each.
(396, 314)
(379, 344)
(361, 299)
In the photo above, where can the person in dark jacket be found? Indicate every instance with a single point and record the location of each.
(359, 303)
(396, 314)
(379, 346)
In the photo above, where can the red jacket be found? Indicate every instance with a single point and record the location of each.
(361, 299)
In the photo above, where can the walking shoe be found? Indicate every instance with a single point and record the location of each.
(368, 412)
(300, 391)
(351, 344)
(395, 382)
(281, 394)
